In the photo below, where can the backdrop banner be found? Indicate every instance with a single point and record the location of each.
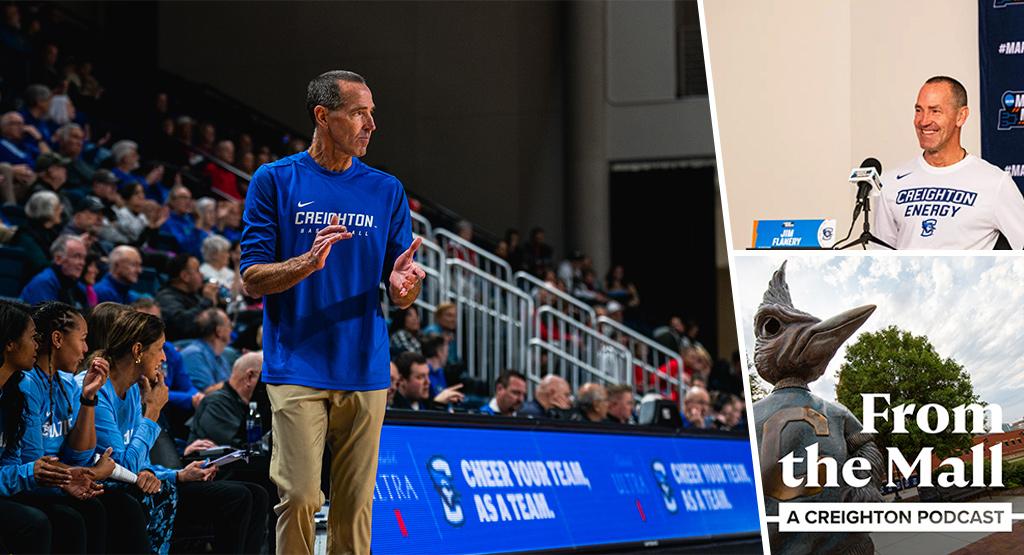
(1001, 47)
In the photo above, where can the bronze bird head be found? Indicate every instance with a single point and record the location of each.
(793, 344)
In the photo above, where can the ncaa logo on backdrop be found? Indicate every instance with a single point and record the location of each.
(1011, 111)
(928, 227)
(441, 475)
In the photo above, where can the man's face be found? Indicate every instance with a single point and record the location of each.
(72, 262)
(621, 406)
(350, 126)
(697, 405)
(128, 268)
(181, 201)
(560, 395)
(86, 220)
(191, 275)
(13, 126)
(71, 145)
(417, 387)
(56, 175)
(511, 397)
(677, 325)
(937, 120)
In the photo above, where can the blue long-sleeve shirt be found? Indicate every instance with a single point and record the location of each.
(327, 331)
(109, 289)
(50, 414)
(120, 424)
(204, 366)
(183, 228)
(15, 476)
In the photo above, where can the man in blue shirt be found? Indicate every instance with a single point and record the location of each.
(321, 229)
(116, 286)
(204, 358)
(20, 143)
(180, 224)
(59, 282)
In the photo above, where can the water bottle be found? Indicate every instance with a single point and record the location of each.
(254, 428)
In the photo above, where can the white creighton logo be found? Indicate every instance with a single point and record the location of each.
(313, 221)
(441, 475)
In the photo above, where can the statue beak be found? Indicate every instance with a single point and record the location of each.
(824, 338)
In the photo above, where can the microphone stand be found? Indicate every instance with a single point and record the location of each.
(866, 237)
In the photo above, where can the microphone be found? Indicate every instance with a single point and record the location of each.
(866, 176)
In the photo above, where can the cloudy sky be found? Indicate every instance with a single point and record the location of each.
(971, 308)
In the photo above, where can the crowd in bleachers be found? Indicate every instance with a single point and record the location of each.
(110, 240)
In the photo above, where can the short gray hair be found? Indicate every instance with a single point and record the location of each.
(37, 93)
(215, 244)
(120, 252)
(324, 90)
(65, 130)
(41, 205)
(60, 246)
(121, 149)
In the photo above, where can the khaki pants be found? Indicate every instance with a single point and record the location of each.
(351, 421)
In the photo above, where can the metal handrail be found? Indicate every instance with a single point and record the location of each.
(534, 376)
(650, 367)
(425, 228)
(584, 342)
(445, 237)
(584, 308)
(494, 323)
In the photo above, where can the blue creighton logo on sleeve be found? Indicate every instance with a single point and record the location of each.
(667, 495)
(1011, 115)
(441, 475)
(928, 227)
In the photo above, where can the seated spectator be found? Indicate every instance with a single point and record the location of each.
(620, 289)
(588, 290)
(445, 323)
(538, 253)
(85, 223)
(570, 270)
(692, 329)
(621, 404)
(51, 175)
(696, 408)
(728, 413)
(103, 186)
(229, 220)
(551, 399)
(180, 225)
(222, 415)
(183, 396)
(20, 143)
(698, 362)
(126, 160)
(133, 225)
(205, 214)
(126, 420)
(125, 267)
(435, 350)
(60, 282)
(405, 331)
(464, 229)
(44, 214)
(15, 181)
(591, 403)
(184, 297)
(221, 180)
(412, 391)
(70, 144)
(215, 267)
(673, 336)
(516, 253)
(37, 108)
(204, 358)
(509, 393)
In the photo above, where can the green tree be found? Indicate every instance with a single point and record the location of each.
(759, 389)
(906, 367)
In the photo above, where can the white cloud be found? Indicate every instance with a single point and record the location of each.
(971, 308)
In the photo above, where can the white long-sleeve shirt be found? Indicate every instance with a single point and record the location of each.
(962, 206)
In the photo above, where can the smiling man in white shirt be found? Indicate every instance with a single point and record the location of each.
(947, 198)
